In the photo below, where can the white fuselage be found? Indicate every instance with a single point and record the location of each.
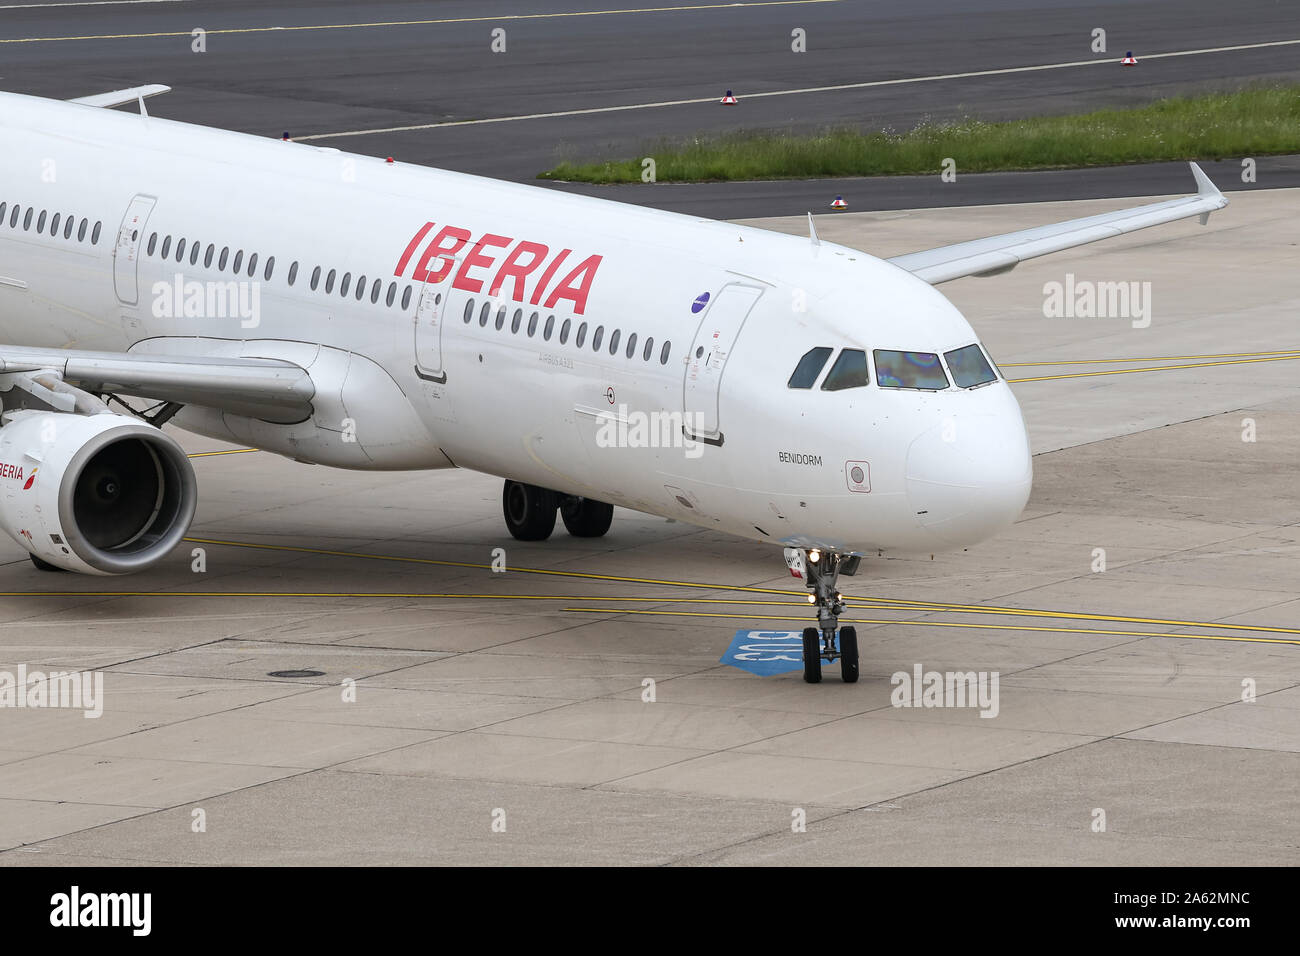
(413, 385)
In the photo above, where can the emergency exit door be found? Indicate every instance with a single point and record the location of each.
(126, 253)
(706, 363)
(428, 332)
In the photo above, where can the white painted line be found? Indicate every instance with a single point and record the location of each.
(811, 89)
(82, 3)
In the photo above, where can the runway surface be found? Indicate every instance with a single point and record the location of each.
(324, 69)
(482, 696)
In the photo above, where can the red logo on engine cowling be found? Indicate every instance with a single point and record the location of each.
(436, 262)
(28, 484)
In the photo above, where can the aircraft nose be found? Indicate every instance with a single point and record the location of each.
(969, 476)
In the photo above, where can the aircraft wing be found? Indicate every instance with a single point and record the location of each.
(118, 97)
(269, 389)
(997, 254)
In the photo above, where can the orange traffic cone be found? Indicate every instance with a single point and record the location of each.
(1129, 59)
(728, 100)
(839, 203)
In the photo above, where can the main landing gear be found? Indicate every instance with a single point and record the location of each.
(827, 641)
(530, 512)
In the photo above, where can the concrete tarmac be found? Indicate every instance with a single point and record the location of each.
(479, 694)
(406, 66)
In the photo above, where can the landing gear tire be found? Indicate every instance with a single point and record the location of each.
(585, 517)
(849, 655)
(812, 655)
(44, 565)
(529, 511)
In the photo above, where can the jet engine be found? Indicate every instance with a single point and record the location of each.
(98, 494)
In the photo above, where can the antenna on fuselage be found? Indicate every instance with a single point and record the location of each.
(812, 231)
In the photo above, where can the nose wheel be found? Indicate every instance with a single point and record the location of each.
(827, 642)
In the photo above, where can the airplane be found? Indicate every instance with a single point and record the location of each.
(362, 313)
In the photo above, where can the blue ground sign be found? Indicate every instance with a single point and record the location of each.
(766, 652)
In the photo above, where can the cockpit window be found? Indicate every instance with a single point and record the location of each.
(849, 371)
(909, 370)
(809, 367)
(969, 367)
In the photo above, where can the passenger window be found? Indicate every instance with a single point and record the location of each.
(484, 313)
(252, 265)
(13, 219)
(361, 289)
(501, 318)
(849, 371)
(550, 327)
(406, 298)
(180, 243)
(631, 345)
(809, 367)
(375, 290)
(663, 354)
(40, 222)
(613, 341)
(166, 246)
(94, 233)
(329, 281)
(596, 338)
(153, 243)
(3, 207)
(27, 219)
(649, 348)
(195, 250)
(58, 216)
(516, 320)
(582, 335)
(469, 311)
(315, 278)
(392, 294)
(969, 367)
(532, 325)
(225, 256)
(207, 257)
(564, 331)
(293, 273)
(346, 284)
(68, 225)
(270, 267)
(909, 370)
(238, 264)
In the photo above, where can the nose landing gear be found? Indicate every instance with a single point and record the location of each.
(820, 570)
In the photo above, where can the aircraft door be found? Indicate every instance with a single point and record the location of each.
(126, 253)
(429, 317)
(707, 360)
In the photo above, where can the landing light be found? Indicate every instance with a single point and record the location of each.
(814, 556)
(812, 599)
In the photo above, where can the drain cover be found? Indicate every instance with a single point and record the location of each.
(296, 674)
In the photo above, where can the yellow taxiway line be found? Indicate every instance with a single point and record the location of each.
(987, 627)
(1154, 368)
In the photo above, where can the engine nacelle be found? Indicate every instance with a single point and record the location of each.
(99, 494)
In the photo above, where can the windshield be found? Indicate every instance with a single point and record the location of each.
(909, 370)
(969, 367)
